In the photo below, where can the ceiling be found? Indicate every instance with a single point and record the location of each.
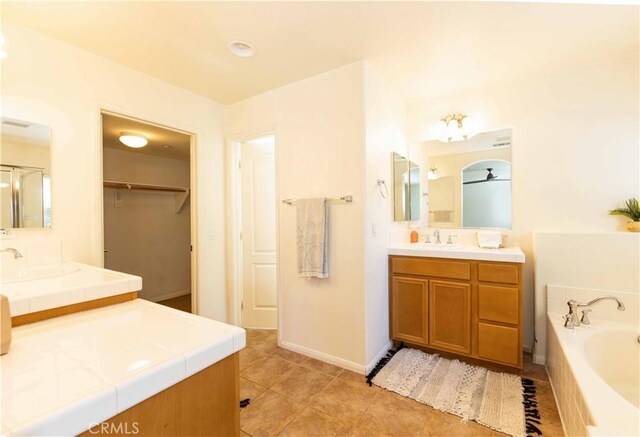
(164, 143)
(24, 132)
(423, 49)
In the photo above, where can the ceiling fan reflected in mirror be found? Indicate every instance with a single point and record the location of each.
(490, 178)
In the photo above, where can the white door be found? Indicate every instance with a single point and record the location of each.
(259, 284)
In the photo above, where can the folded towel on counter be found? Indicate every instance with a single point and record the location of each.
(490, 239)
(313, 236)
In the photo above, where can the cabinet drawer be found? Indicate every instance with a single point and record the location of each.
(501, 273)
(498, 304)
(499, 343)
(431, 267)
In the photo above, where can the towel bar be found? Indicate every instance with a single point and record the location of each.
(347, 199)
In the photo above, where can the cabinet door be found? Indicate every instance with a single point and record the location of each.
(409, 310)
(450, 316)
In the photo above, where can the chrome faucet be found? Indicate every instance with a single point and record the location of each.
(16, 253)
(572, 320)
(436, 235)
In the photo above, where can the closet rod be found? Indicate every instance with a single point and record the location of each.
(135, 186)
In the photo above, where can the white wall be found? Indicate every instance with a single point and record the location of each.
(575, 150)
(144, 234)
(320, 151)
(48, 82)
(385, 127)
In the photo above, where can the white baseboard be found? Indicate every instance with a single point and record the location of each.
(168, 296)
(378, 357)
(349, 365)
(539, 359)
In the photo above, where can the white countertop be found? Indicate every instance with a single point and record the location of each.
(63, 375)
(507, 254)
(40, 288)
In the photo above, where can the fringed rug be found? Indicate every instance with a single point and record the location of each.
(500, 401)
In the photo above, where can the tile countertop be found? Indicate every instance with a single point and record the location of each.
(69, 283)
(507, 254)
(64, 375)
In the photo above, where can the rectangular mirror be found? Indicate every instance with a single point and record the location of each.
(25, 186)
(406, 189)
(469, 182)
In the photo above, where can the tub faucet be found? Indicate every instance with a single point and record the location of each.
(572, 319)
(16, 253)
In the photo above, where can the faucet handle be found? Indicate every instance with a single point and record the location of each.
(585, 317)
(427, 239)
(449, 240)
(568, 321)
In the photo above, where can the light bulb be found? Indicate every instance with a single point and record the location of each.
(135, 141)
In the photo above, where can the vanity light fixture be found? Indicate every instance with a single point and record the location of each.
(133, 140)
(241, 49)
(3, 54)
(433, 174)
(455, 127)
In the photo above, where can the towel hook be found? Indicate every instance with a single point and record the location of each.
(382, 183)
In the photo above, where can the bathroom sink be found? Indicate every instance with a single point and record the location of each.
(36, 273)
(437, 246)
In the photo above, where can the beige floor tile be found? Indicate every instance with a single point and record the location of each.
(551, 425)
(350, 376)
(255, 335)
(393, 416)
(302, 384)
(288, 355)
(312, 423)
(249, 356)
(268, 371)
(267, 344)
(249, 389)
(545, 398)
(322, 367)
(343, 400)
(534, 371)
(267, 415)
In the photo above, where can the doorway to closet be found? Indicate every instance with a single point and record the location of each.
(258, 284)
(147, 175)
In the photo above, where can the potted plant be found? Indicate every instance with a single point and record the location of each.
(631, 211)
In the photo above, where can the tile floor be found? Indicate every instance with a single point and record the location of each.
(293, 395)
(182, 303)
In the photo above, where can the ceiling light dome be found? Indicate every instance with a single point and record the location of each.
(241, 49)
(133, 140)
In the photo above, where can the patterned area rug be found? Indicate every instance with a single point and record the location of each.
(500, 401)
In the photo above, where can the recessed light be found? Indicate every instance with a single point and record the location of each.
(166, 146)
(241, 49)
(133, 140)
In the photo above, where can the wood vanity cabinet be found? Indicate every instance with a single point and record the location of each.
(462, 307)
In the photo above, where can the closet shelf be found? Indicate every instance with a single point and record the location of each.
(182, 194)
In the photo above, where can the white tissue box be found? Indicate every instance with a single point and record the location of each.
(490, 239)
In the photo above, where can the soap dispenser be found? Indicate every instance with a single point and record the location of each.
(414, 236)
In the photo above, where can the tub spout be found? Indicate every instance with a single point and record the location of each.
(575, 305)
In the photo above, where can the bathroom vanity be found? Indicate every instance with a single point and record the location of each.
(89, 358)
(465, 302)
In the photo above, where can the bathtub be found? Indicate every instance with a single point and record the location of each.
(595, 375)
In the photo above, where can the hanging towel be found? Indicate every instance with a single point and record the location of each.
(313, 235)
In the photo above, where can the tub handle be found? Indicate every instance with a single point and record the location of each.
(585, 317)
(568, 321)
